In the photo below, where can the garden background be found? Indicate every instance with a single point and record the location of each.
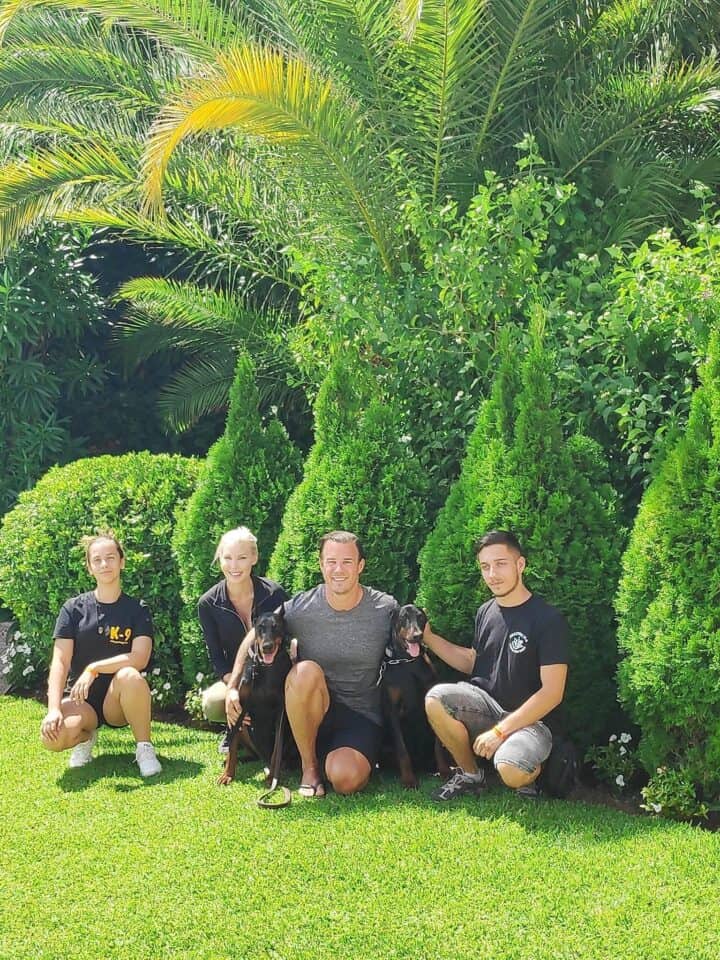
(412, 269)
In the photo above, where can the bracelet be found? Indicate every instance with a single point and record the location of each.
(91, 670)
(498, 732)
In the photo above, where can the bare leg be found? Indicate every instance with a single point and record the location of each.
(128, 701)
(452, 734)
(307, 701)
(79, 722)
(514, 777)
(347, 769)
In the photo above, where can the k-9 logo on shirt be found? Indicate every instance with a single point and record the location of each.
(518, 642)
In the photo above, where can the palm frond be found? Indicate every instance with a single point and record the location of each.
(200, 387)
(197, 28)
(447, 60)
(284, 102)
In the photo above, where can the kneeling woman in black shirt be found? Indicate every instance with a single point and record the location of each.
(103, 640)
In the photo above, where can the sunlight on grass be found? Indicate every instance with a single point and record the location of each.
(97, 863)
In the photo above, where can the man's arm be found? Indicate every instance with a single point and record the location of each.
(539, 705)
(459, 658)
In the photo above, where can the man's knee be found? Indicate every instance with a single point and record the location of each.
(347, 773)
(436, 700)
(514, 777)
(304, 678)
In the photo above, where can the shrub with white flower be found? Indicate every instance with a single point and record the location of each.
(193, 698)
(19, 666)
(615, 763)
(671, 793)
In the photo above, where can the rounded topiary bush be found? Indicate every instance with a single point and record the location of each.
(359, 476)
(245, 481)
(41, 564)
(520, 473)
(668, 601)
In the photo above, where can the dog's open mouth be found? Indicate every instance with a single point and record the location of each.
(413, 649)
(268, 656)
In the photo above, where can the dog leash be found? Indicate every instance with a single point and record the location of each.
(265, 802)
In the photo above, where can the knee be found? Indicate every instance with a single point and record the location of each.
(435, 702)
(515, 777)
(304, 678)
(129, 677)
(56, 746)
(346, 778)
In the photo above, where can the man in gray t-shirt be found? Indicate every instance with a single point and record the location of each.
(331, 694)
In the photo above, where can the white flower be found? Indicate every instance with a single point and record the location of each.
(625, 738)
(613, 738)
(656, 807)
(405, 438)
(28, 669)
(622, 751)
(16, 636)
(620, 780)
(166, 686)
(7, 669)
(156, 672)
(199, 677)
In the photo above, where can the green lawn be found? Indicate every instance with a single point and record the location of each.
(96, 863)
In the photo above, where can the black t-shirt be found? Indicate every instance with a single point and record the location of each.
(511, 644)
(101, 630)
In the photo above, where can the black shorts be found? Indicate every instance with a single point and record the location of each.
(343, 727)
(97, 693)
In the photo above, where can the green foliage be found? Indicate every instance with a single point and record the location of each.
(521, 474)
(42, 565)
(361, 476)
(671, 793)
(245, 481)
(616, 762)
(47, 304)
(629, 360)
(667, 603)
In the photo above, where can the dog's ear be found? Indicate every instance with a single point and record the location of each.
(422, 618)
(394, 621)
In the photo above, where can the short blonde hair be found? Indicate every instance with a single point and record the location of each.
(241, 534)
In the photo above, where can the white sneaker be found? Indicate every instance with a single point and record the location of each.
(146, 759)
(82, 753)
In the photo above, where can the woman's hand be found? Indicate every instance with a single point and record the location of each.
(81, 687)
(52, 724)
(232, 705)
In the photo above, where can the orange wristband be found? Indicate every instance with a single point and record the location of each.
(92, 670)
(498, 732)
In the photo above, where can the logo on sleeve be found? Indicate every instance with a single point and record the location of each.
(518, 642)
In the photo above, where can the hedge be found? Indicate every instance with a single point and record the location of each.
(361, 476)
(668, 601)
(520, 473)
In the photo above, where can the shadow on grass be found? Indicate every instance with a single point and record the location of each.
(123, 769)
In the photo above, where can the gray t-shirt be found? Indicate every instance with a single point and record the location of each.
(347, 644)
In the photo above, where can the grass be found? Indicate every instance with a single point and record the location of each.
(96, 863)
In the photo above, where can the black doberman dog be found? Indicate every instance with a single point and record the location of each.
(262, 697)
(407, 676)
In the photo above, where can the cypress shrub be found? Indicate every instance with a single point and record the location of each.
(41, 564)
(245, 480)
(668, 603)
(520, 473)
(361, 476)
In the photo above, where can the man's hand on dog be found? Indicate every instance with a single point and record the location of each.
(52, 724)
(486, 744)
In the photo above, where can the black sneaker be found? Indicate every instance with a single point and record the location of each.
(224, 743)
(460, 785)
(530, 792)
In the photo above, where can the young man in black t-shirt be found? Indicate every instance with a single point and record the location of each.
(517, 668)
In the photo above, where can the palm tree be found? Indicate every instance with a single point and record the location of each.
(267, 137)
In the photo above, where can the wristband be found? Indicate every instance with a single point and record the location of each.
(91, 670)
(498, 732)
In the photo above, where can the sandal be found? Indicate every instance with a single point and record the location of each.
(312, 791)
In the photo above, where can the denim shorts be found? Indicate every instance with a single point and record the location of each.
(527, 748)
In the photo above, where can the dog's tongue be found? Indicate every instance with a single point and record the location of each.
(268, 658)
(413, 649)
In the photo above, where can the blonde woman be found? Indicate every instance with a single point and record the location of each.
(229, 609)
(103, 642)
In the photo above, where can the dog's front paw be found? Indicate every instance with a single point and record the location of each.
(409, 783)
(224, 779)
